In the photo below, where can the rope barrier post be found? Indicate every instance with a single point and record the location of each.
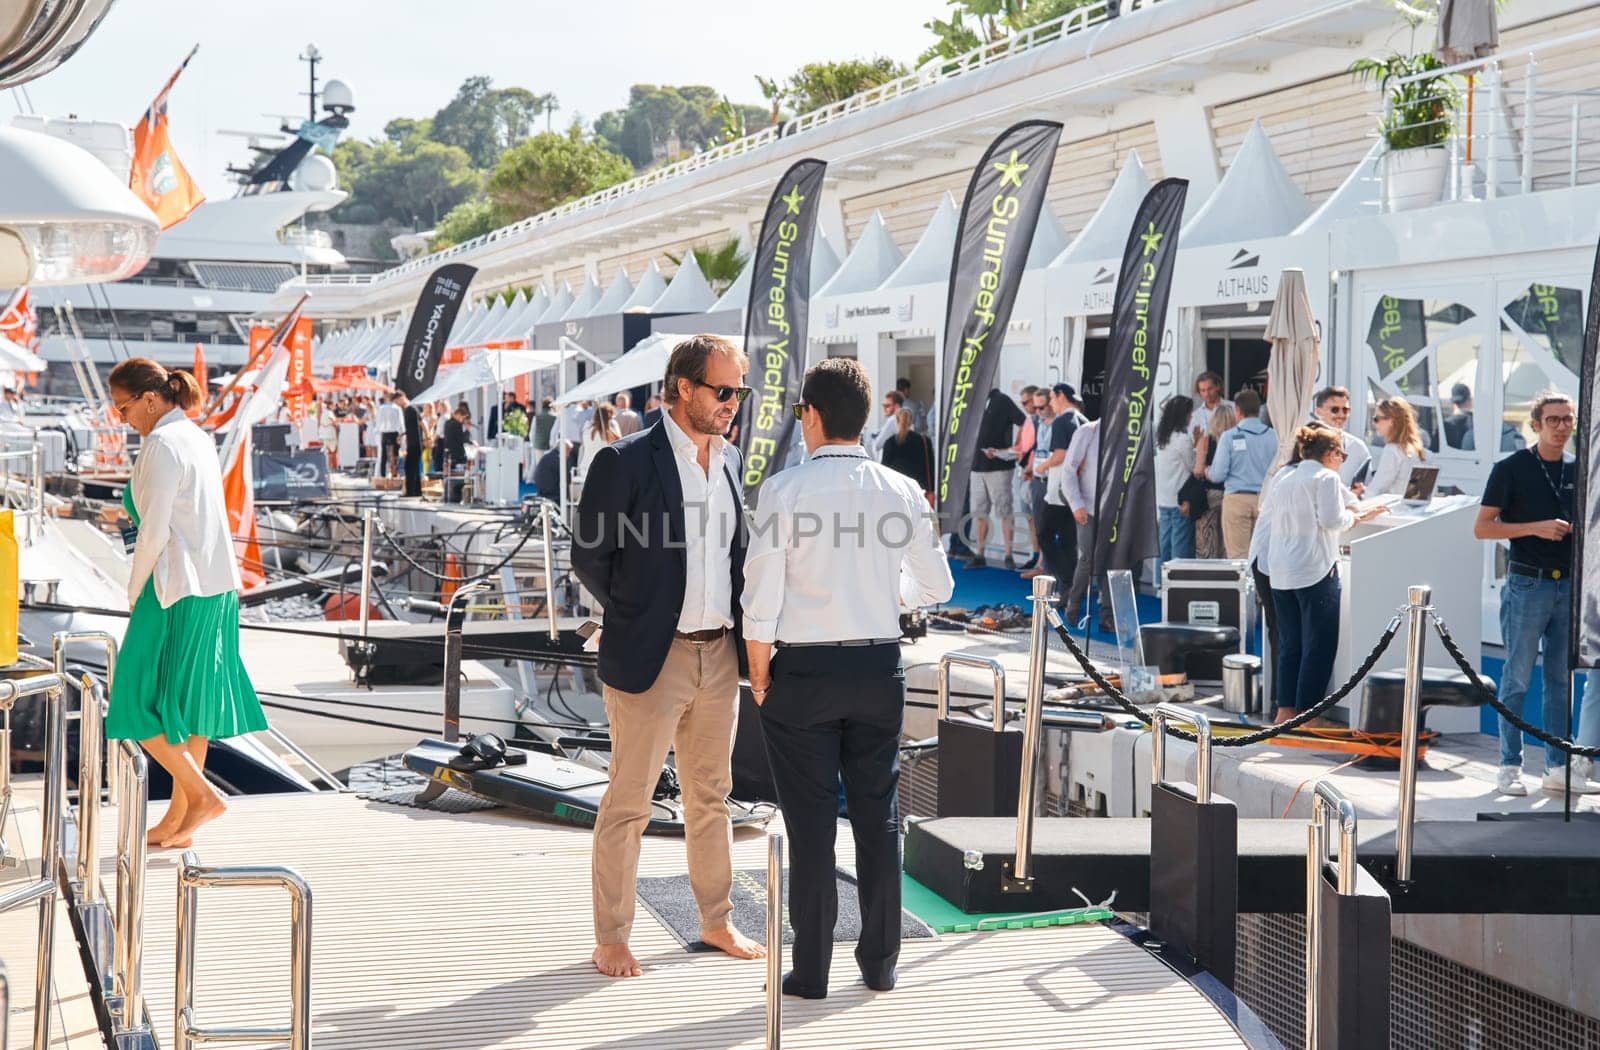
(1019, 879)
(549, 569)
(453, 623)
(774, 941)
(1418, 607)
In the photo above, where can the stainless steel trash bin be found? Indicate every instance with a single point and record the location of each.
(1241, 684)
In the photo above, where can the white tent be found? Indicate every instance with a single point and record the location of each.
(467, 318)
(1354, 199)
(1049, 240)
(869, 263)
(1256, 198)
(585, 302)
(651, 287)
(689, 292)
(929, 260)
(615, 297)
(488, 368)
(487, 320)
(538, 303)
(560, 303)
(824, 261)
(505, 326)
(644, 365)
(1106, 232)
(737, 296)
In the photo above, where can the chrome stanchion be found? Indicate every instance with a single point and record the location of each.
(132, 860)
(1202, 755)
(549, 570)
(366, 580)
(453, 625)
(1417, 610)
(997, 674)
(1326, 801)
(774, 941)
(1019, 879)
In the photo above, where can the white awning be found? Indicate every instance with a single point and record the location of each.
(929, 261)
(644, 365)
(869, 263)
(489, 368)
(1106, 232)
(689, 292)
(1255, 199)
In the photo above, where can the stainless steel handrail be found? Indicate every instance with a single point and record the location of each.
(1165, 713)
(192, 877)
(1418, 606)
(366, 575)
(997, 674)
(43, 891)
(549, 569)
(323, 772)
(1326, 801)
(128, 1012)
(58, 660)
(5, 1005)
(454, 624)
(774, 941)
(1020, 878)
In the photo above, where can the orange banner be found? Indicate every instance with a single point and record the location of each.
(297, 388)
(157, 176)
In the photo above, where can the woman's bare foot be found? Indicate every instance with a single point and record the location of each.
(734, 943)
(1283, 715)
(194, 818)
(615, 960)
(170, 821)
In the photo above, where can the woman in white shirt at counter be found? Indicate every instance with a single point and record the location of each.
(180, 682)
(1396, 423)
(1305, 512)
(601, 431)
(1174, 467)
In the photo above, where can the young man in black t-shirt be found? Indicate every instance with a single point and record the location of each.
(993, 470)
(1529, 501)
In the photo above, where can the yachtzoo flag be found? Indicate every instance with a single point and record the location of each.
(775, 318)
(1125, 505)
(996, 228)
(157, 176)
(1585, 647)
(431, 321)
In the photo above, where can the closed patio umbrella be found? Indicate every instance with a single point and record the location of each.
(1292, 366)
(1468, 29)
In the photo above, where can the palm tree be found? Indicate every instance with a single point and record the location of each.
(720, 265)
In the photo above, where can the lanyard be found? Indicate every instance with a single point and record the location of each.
(1561, 472)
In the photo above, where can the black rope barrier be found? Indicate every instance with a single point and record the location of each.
(405, 555)
(1247, 739)
(1490, 697)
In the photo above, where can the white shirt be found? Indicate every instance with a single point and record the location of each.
(1389, 477)
(593, 443)
(1055, 491)
(839, 546)
(574, 419)
(1202, 414)
(1079, 475)
(185, 541)
(1305, 511)
(1174, 467)
(710, 523)
(390, 419)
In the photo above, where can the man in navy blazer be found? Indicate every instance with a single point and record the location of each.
(660, 543)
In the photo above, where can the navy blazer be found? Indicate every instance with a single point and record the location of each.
(638, 572)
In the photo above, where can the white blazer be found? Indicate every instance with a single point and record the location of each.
(184, 538)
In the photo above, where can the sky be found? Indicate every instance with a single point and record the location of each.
(407, 57)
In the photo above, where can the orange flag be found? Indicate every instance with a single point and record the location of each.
(158, 177)
(298, 391)
(17, 322)
(199, 377)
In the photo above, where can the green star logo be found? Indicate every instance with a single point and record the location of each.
(1011, 171)
(793, 199)
(1151, 239)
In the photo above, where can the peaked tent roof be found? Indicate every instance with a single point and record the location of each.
(689, 292)
(511, 324)
(487, 319)
(929, 260)
(824, 261)
(584, 304)
(1049, 239)
(1353, 199)
(538, 303)
(869, 263)
(651, 287)
(615, 297)
(1106, 232)
(737, 297)
(1256, 198)
(560, 303)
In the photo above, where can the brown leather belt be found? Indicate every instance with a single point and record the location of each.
(709, 635)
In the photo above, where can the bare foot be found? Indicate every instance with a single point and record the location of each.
(1283, 715)
(615, 960)
(170, 821)
(181, 842)
(734, 943)
(193, 819)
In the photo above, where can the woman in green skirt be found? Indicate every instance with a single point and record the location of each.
(180, 683)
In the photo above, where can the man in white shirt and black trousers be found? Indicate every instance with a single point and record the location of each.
(840, 544)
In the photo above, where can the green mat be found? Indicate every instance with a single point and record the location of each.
(944, 917)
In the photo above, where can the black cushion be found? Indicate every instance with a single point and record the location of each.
(1441, 687)
(1169, 645)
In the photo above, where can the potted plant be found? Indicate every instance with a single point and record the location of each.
(1416, 125)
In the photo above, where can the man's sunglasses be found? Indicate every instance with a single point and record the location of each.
(724, 393)
(797, 408)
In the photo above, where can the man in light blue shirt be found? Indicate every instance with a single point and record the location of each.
(1244, 453)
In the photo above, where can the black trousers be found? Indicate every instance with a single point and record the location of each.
(413, 465)
(1269, 612)
(389, 454)
(832, 712)
(1058, 542)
